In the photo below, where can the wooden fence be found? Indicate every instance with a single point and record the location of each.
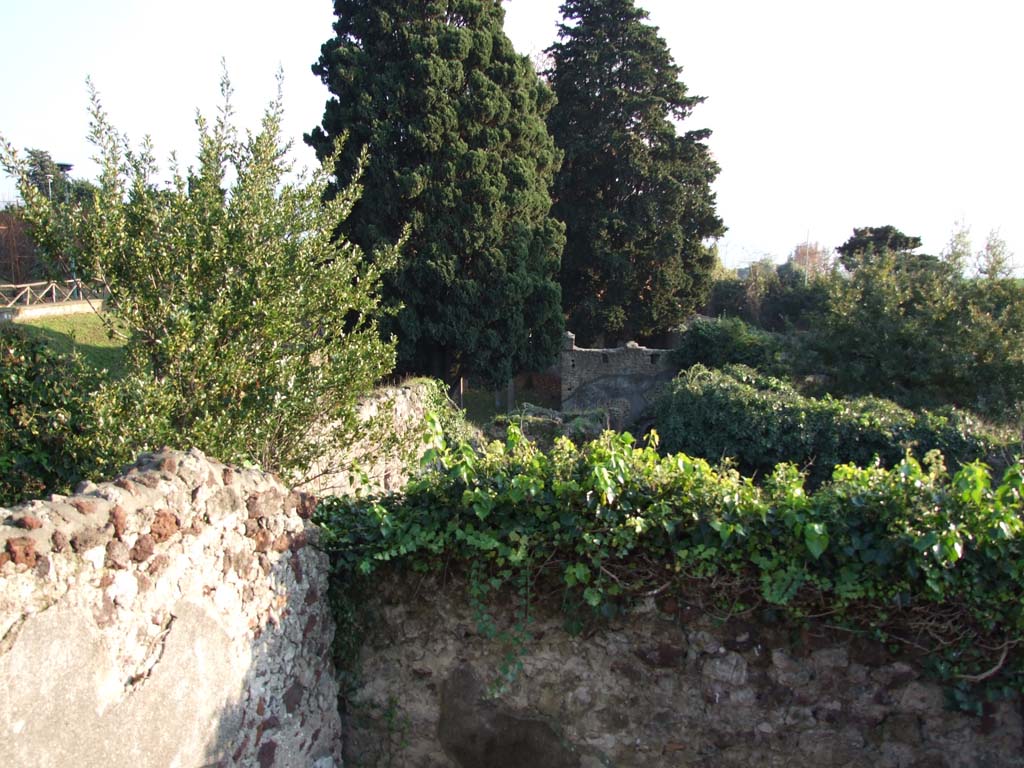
(48, 292)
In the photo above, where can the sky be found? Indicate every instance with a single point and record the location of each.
(825, 116)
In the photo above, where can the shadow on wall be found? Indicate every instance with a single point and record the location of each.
(173, 617)
(662, 686)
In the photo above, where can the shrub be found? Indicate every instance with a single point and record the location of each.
(715, 343)
(904, 553)
(911, 328)
(45, 418)
(761, 421)
(249, 325)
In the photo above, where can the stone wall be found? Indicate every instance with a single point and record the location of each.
(664, 687)
(392, 426)
(175, 617)
(621, 380)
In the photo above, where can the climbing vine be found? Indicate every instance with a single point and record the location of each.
(912, 555)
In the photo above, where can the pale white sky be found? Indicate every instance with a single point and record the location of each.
(825, 115)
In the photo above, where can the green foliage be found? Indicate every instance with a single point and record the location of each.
(912, 328)
(248, 323)
(761, 421)
(868, 242)
(452, 420)
(776, 298)
(51, 179)
(635, 196)
(46, 421)
(716, 343)
(908, 553)
(455, 121)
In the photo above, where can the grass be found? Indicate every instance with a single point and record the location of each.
(85, 334)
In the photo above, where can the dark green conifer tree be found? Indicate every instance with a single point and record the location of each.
(454, 121)
(635, 196)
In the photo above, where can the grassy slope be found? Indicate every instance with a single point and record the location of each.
(84, 334)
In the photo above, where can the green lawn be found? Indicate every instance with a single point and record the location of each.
(85, 334)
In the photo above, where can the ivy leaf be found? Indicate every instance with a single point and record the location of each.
(816, 539)
(593, 596)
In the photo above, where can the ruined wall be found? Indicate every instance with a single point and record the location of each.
(175, 617)
(663, 687)
(392, 425)
(621, 379)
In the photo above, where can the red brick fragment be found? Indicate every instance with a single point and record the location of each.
(282, 543)
(117, 555)
(293, 697)
(266, 504)
(4, 559)
(86, 506)
(263, 540)
(296, 563)
(31, 522)
(267, 754)
(143, 549)
(22, 551)
(165, 525)
(119, 519)
(237, 756)
(168, 464)
(158, 565)
(304, 504)
(269, 724)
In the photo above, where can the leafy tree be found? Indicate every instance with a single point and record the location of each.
(868, 241)
(53, 179)
(958, 249)
(249, 325)
(635, 196)
(773, 297)
(912, 327)
(460, 154)
(812, 258)
(994, 261)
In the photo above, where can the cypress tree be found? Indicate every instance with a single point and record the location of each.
(460, 155)
(635, 196)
